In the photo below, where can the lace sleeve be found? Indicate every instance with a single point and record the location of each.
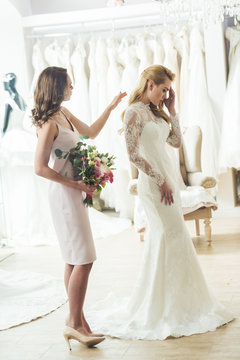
(175, 137)
(132, 127)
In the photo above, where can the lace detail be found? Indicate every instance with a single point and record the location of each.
(134, 124)
(175, 137)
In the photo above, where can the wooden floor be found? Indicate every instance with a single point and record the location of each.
(116, 270)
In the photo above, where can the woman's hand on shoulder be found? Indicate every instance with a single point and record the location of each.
(166, 193)
(116, 100)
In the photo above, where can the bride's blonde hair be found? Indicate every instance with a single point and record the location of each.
(158, 74)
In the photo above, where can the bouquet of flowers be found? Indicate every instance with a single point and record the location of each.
(89, 165)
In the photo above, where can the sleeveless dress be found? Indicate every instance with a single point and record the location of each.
(69, 214)
(171, 297)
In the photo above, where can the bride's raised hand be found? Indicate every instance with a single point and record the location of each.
(170, 101)
(117, 99)
(166, 193)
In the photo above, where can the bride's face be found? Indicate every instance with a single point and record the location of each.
(68, 89)
(157, 93)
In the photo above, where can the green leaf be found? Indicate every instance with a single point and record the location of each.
(58, 152)
(85, 136)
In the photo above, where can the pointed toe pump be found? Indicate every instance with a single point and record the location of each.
(89, 341)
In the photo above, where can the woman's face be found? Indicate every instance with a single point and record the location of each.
(68, 89)
(157, 93)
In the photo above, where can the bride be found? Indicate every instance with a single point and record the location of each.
(171, 297)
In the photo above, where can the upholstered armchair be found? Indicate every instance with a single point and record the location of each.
(190, 178)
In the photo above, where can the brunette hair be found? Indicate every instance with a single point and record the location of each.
(158, 74)
(48, 94)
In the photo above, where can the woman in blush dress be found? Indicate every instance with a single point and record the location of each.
(59, 128)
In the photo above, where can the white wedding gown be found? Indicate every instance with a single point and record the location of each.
(171, 62)
(171, 297)
(79, 102)
(200, 110)
(230, 144)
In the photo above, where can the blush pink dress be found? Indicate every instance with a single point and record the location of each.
(69, 214)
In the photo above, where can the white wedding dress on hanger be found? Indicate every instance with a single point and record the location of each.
(114, 123)
(53, 54)
(93, 86)
(128, 58)
(144, 51)
(199, 107)
(102, 65)
(79, 102)
(26, 204)
(182, 45)
(171, 62)
(170, 296)
(39, 63)
(158, 51)
(230, 139)
(67, 51)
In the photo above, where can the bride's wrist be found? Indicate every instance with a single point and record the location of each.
(173, 113)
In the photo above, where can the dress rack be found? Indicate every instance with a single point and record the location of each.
(104, 19)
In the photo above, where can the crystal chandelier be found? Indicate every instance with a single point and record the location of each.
(205, 11)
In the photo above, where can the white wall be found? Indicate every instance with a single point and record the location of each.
(53, 6)
(24, 7)
(12, 57)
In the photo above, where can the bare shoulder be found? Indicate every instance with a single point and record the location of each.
(49, 128)
(67, 112)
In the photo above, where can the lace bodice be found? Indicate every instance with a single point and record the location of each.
(136, 117)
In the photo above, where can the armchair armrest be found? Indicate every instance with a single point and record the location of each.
(200, 179)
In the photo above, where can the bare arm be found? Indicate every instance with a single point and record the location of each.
(46, 136)
(93, 130)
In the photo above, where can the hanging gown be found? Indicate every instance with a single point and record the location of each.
(123, 200)
(199, 107)
(230, 143)
(24, 192)
(101, 72)
(39, 63)
(144, 52)
(114, 123)
(53, 54)
(182, 44)
(67, 51)
(79, 103)
(158, 52)
(93, 86)
(171, 62)
(171, 297)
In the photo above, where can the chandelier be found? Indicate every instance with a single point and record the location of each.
(205, 11)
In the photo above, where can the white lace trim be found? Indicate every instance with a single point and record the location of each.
(175, 137)
(134, 122)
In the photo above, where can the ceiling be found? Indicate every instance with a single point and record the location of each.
(35, 7)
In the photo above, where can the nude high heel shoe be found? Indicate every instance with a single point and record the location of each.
(89, 341)
(93, 334)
